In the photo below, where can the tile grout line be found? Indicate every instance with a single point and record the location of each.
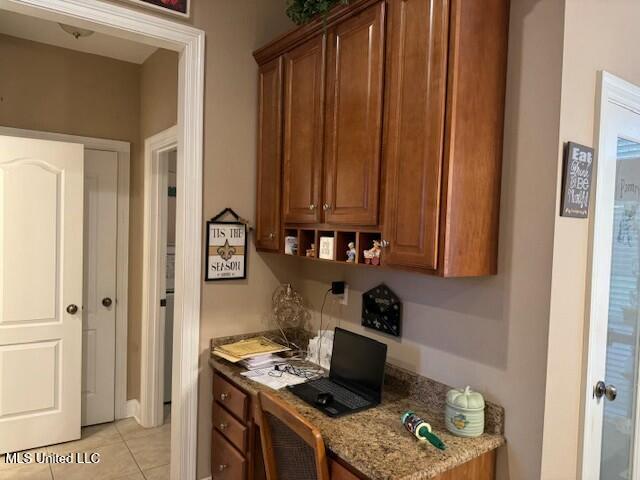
(132, 456)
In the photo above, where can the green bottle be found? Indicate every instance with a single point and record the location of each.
(421, 430)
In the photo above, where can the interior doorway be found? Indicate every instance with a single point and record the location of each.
(158, 281)
(148, 29)
(612, 400)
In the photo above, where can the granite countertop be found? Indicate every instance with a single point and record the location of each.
(375, 442)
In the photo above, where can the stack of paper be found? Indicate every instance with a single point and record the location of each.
(247, 349)
(261, 361)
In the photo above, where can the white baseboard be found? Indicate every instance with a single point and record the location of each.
(133, 409)
(206, 478)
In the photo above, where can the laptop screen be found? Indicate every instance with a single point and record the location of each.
(358, 362)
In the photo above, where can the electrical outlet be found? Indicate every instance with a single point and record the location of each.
(344, 298)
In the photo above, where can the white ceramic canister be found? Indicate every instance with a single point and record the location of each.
(464, 413)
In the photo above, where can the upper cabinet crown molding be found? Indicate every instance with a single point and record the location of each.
(391, 121)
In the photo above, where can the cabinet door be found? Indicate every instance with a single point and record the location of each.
(269, 156)
(303, 131)
(355, 70)
(414, 130)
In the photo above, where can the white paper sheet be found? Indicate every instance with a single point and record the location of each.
(262, 376)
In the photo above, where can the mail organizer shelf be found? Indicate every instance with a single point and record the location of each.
(308, 245)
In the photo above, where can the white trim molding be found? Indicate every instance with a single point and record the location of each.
(615, 92)
(154, 276)
(122, 22)
(123, 150)
(133, 409)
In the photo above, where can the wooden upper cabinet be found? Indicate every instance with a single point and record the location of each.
(303, 132)
(269, 156)
(355, 70)
(416, 80)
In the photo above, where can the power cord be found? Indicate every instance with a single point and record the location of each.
(320, 334)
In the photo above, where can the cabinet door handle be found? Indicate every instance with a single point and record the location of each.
(326, 206)
(312, 207)
(224, 396)
(222, 468)
(223, 427)
(272, 236)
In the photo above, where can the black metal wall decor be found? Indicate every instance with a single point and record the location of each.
(226, 253)
(382, 310)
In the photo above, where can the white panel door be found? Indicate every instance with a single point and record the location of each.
(99, 312)
(41, 217)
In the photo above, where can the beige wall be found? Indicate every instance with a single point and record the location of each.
(158, 111)
(59, 90)
(64, 91)
(491, 332)
(598, 35)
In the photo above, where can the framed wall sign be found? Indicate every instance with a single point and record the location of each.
(226, 256)
(576, 180)
(176, 7)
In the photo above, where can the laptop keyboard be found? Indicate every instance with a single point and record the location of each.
(340, 394)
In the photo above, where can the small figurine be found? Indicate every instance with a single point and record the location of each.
(311, 252)
(351, 253)
(372, 256)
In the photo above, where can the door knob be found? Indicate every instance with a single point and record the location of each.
(603, 390)
(326, 206)
(107, 302)
(72, 309)
(272, 236)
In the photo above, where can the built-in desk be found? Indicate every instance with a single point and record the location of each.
(372, 444)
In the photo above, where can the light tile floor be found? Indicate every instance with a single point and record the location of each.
(127, 452)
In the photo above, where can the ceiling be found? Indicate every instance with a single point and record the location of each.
(44, 31)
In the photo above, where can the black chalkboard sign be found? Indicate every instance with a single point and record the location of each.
(382, 310)
(576, 180)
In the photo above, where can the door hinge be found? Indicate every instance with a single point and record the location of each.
(163, 302)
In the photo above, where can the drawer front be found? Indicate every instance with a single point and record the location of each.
(231, 428)
(338, 472)
(226, 462)
(227, 394)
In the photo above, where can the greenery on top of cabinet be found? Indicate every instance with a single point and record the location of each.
(303, 11)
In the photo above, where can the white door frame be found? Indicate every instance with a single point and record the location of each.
(153, 275)
(613, 90)
(119, 21)
(123, 149)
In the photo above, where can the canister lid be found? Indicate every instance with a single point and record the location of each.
(465, 398)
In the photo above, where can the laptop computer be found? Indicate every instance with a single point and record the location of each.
(355, 377)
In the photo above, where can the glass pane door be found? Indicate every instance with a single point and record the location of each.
(622, 336)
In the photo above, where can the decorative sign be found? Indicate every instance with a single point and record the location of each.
(226, 248)
(576, 180)
(177, 7)
(382, 310)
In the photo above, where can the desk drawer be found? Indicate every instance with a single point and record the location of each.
(231, 428)
(226, 462)
(227, 394)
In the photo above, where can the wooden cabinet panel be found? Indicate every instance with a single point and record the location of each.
(232, 429)
(355, 69)
(226, 461)
(233, 399)
(416, 79)
(338, 472)
(303, 132)
(480, 468)
(269, 156)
